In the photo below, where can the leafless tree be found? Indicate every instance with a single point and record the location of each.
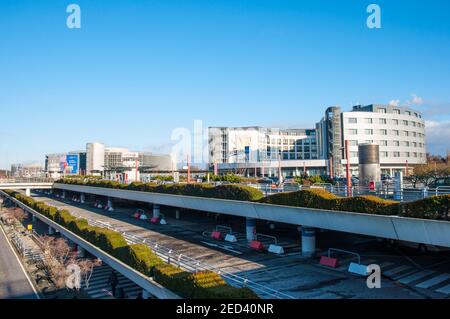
(87, 268)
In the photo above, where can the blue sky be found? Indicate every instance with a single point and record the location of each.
(136, 70)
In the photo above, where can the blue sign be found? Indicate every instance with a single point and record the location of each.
(72, 164)
(247, 154)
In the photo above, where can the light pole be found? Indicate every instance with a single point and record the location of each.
(347, 168)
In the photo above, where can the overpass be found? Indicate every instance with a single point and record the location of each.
(26, 184)
(423, 231)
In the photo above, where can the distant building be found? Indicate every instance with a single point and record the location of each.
(28, 170)
(399, 132)
(118, 163)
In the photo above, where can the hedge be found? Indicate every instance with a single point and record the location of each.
(235, 192)
(435, 207)
(201, 285)
(141, 257)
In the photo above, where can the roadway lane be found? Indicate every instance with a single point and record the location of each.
(14, 283)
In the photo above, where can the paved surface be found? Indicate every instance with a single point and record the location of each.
(13, 281)
(289, 274)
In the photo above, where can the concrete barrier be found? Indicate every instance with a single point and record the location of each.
(392, 227)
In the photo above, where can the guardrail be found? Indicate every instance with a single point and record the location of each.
(191, 264)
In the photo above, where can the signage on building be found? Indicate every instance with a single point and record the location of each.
(71, 164)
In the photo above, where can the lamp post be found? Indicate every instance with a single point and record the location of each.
(347, 168)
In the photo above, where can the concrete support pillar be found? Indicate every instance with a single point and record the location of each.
(81, 252)
(110, 204)
(51, 231)
(145, 294)
(28, 192)
(177, 213)
(63, 195)
(82, 198)
(251, 229)
(33, 218)
(156, 211)
(308, 241)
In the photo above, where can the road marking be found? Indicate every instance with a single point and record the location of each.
(396, 270)
(409, 279)
(433, 281)
(444, 290)
(20, 264)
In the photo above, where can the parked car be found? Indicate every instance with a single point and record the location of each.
(265, 180)
(441, 182)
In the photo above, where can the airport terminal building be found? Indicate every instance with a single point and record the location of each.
(399, 132)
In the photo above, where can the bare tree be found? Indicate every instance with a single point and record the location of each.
(87, 268)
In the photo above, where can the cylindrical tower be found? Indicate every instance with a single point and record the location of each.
(369, 163)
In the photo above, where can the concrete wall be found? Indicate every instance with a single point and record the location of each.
(392, 227)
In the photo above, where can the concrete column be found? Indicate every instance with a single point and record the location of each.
(33, 218)
(398, 186)
(145, 294)
(51, 231)
(28, 192)
(110, 204)
(156, 211)
(308, 241)
(177, 213)
(63, 195)
(81, 252)
(82, 198)
(251, 229)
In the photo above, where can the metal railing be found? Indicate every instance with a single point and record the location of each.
(27, 180)
(190, 264)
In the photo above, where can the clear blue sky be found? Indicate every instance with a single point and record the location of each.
(138, 69)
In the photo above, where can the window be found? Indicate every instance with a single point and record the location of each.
(405, 122)
(406, 133)
(368, 131)
(406, 154)
(382, 121)
(408, 112)
(414, 144)
(416, 115)
(383, 132)
(396, 143)
(406, 144)
(396, 111)
(384, 154)
(353, 132)
(381, 110)
(396, 154)
(369, 141)
(353, 143)
(415, 154)
(368, 120)
(396, 132)
(395, 122)
(353, 154)
(383, 143)
(352, 120)
(413, 123)
(414, 134)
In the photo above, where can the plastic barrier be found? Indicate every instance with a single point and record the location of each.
(163, 222)
(217, 235)
(328, 261)
(358, 269)
(275, 249)
(231, 238)
(256, 245)
(137, 215)
(143, 217)
(154, 220)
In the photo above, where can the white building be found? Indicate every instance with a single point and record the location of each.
(95, 158)
(399, 131)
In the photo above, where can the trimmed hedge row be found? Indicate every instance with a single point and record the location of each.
(140, 257)
(236, 192)
(435, 207)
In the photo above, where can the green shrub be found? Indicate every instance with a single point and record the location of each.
(63, 217)
(141, 258)
(368, 205)
(174, 279)
(311, 198)
(435, 207)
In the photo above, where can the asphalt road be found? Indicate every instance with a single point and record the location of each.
(13, 281)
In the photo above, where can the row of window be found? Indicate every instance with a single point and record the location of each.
(354, 120)
(390, 143)
(354, 131)
(395, 154)
(397, 111)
